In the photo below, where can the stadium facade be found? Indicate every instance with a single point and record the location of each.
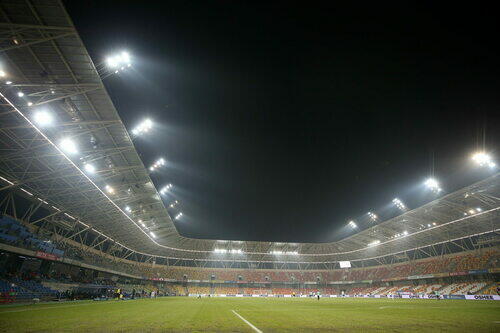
(49, 193)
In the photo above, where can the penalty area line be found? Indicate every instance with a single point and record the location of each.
(247, 322)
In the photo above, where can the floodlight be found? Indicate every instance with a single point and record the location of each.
(112, 62)
(157, 164)
(43, 118)
(2, 73)
(20, 94)
(372, 216)
(165, 189)
(143, 127)
(178, 216)
(399, 203)
(128, 209)
(152, 234)
(119, 60)
(109, 189)
(405, 233)
(68, 146)
(30, 103)
(8, 82)
(89, 168)
(433, 185)
(483, 159)
(375, 242)
(352, 224)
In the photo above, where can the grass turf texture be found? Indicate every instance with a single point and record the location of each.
(182, 314)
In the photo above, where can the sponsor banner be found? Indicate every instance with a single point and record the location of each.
(414, 277)
(441, 274)
(45, 255)
(366, 281)
(458, 273)
(483, 297)
(339, 282)
(454, 296)
(469, 297)
(479, 271)
(494, 270)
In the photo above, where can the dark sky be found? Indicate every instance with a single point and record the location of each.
(283, 122)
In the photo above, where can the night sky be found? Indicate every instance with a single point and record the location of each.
(282, 123)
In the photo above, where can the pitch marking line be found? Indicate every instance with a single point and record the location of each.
(247, 322)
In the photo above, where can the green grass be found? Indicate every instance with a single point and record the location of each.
(180, 314)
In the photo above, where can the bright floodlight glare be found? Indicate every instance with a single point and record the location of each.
(152, 234)
(120, 60)
(109, 189)
(8, 82)
(399, 203)
(165, 189)
(353, 224)
(68, 146)
(43, 118)
(178, 216)
(89, 168)
(375, 242)
(112, 62)
(2, 73)
(483, 159)
(372, 216)
(157, 164)
(433, 185)
(143, 127)
(128, 209)
(20, 94)
(125, 58)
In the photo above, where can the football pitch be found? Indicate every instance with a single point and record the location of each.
(182, 314)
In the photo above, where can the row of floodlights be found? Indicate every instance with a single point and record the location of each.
(236, 251)
(239, 251)
(399, 203)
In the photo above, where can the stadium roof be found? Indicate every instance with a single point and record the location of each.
(47, 68)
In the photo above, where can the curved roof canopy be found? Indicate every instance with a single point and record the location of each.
(47, 68)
